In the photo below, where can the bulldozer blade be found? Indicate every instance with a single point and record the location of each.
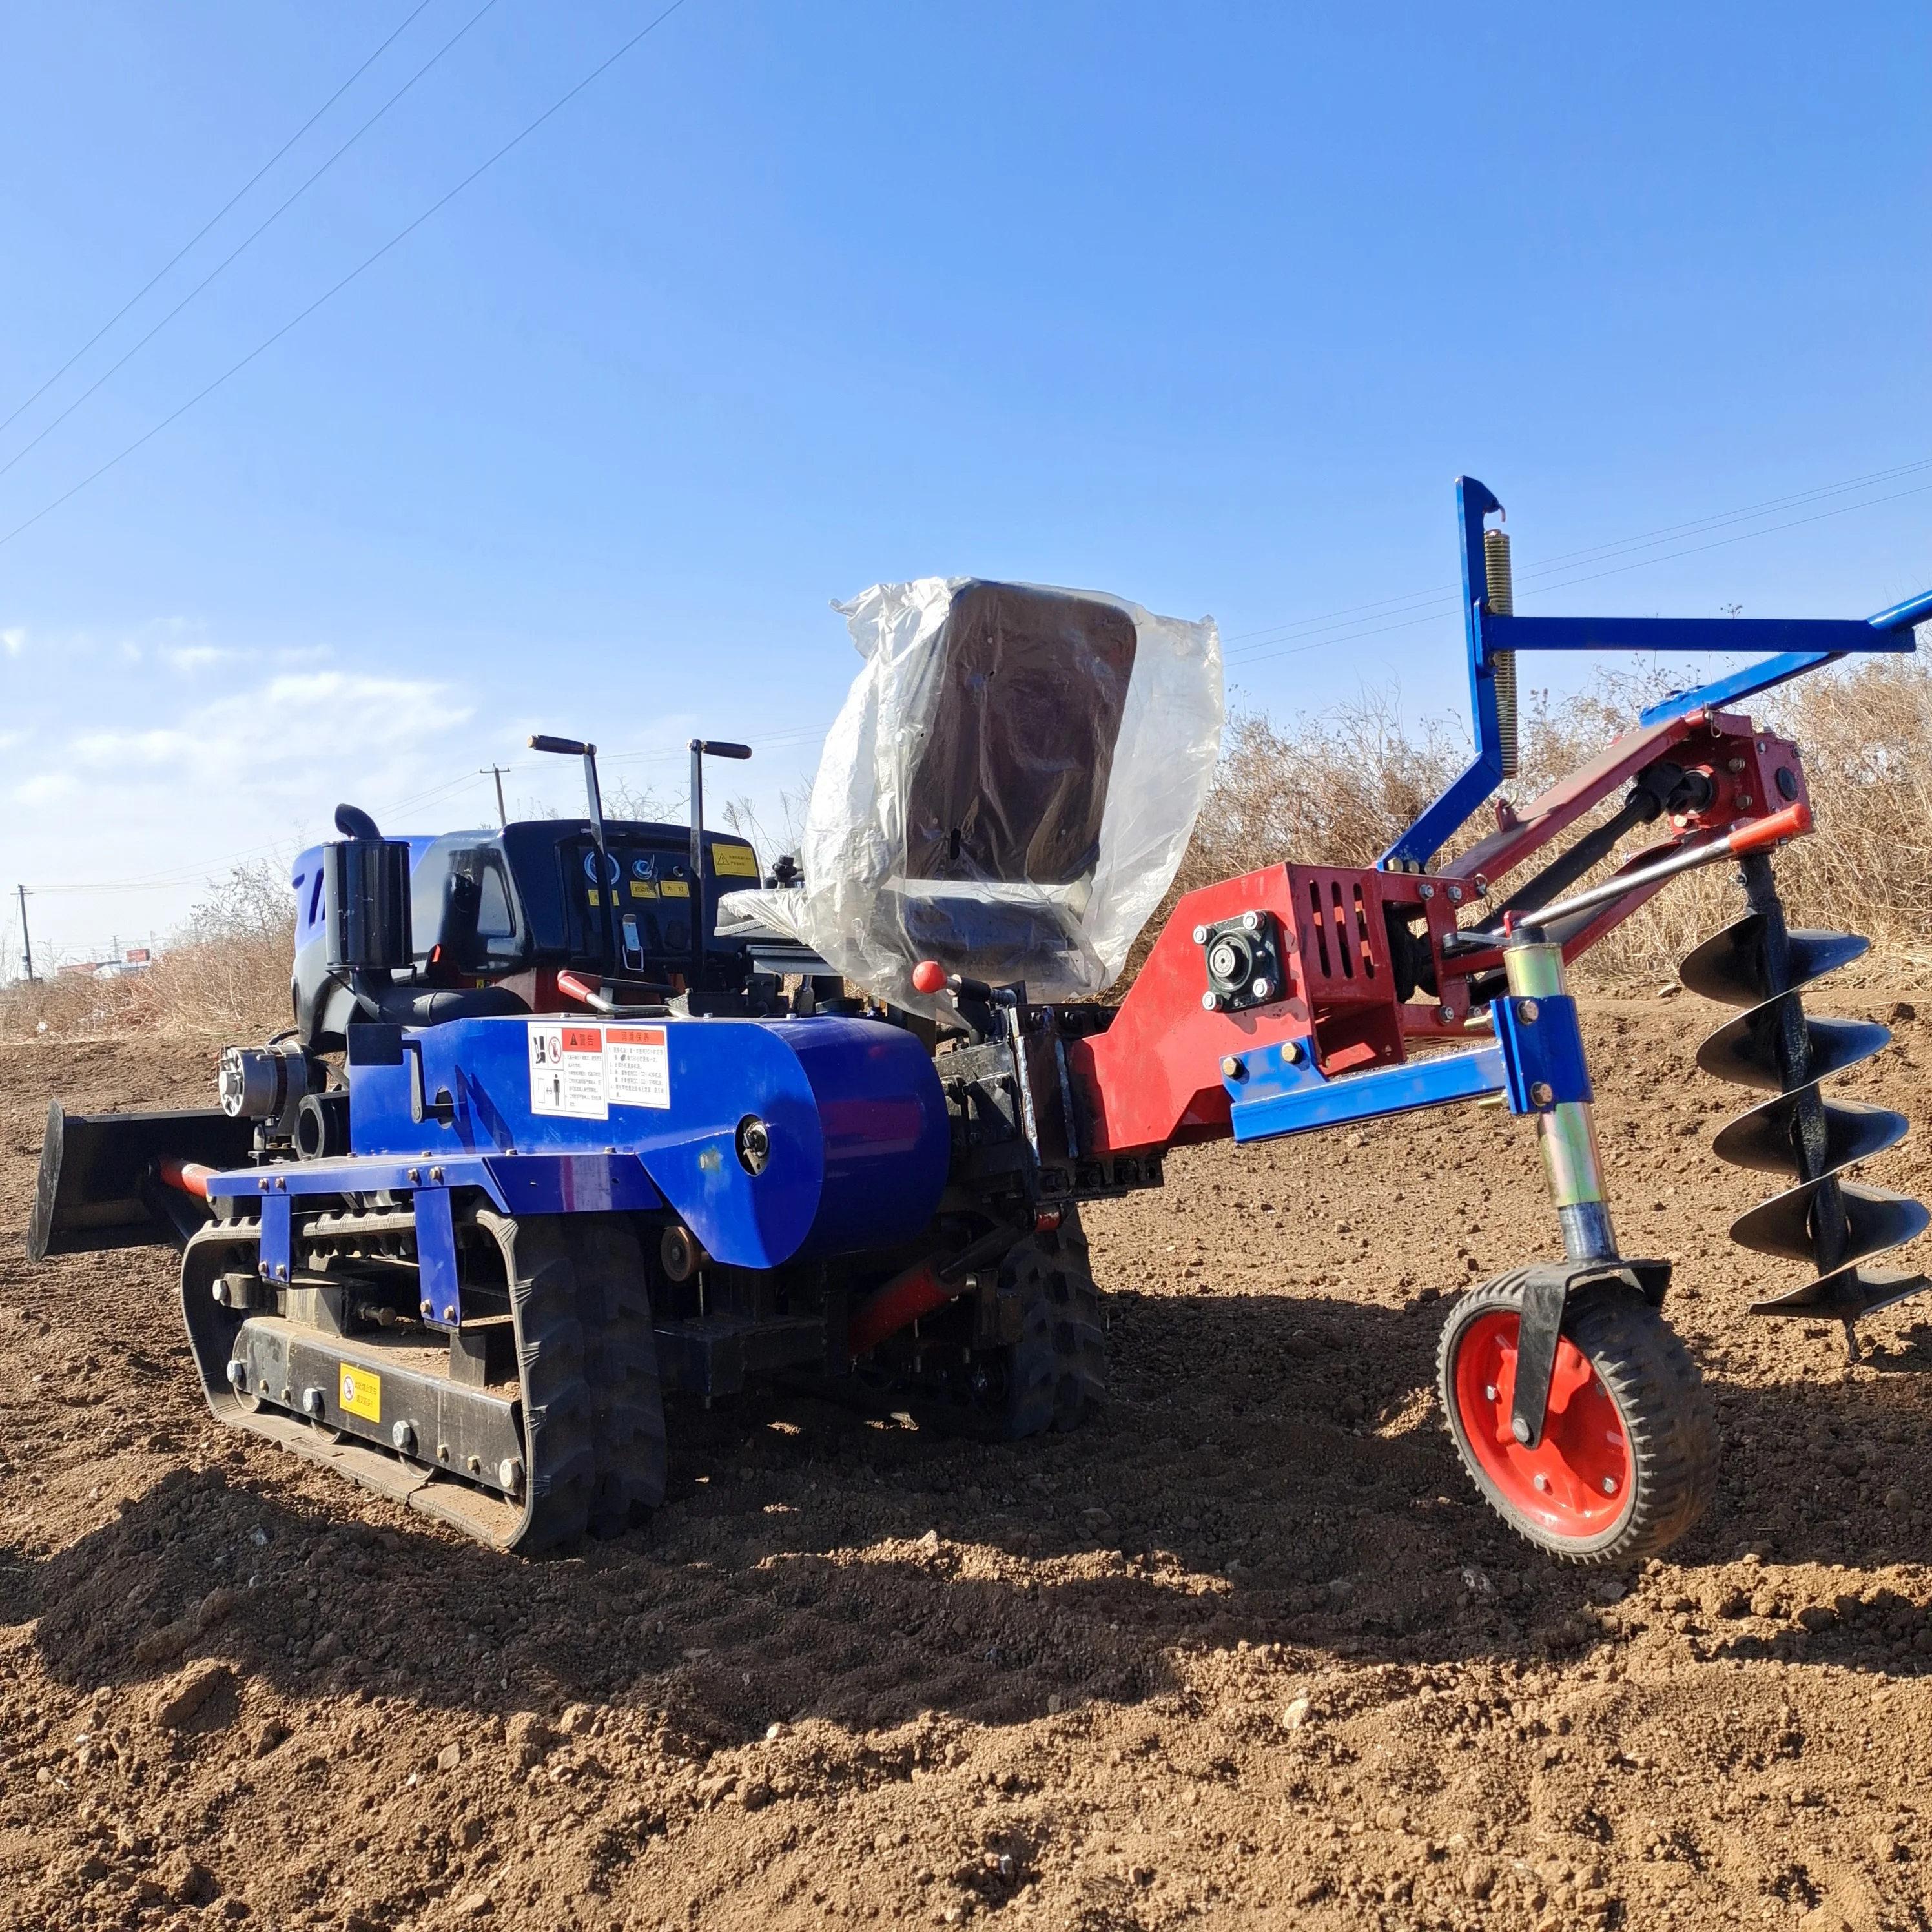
(97, 1188)
(1847, 1296)
(1730, 966)
(1745, 1049)
(1875, 1220)
(1762, 1138)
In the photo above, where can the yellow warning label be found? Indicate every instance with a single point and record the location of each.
(734, 862)
(594, 899)
(361, 1393)
(643, 889)
(675, 889)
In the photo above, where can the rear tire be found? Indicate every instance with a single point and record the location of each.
(1628, 1458)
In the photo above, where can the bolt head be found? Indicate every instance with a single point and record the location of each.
(1610, 1486)
(449, 1313)
(1541, 1481)
(1427, 891)
(1290, 1051)
(1263, 987)
(1526, 1011)
(429, 1308)
(1745, 801)
(1445, 1014)
(1251, 922)
(1455, 895)
(1489, 1391)
(510, 1474)
(1231, 1068)
(1519, 1429)
(1542, 1094)
(1201, 935)
(404, 1435)
(238, 1374)
(1211, 1000)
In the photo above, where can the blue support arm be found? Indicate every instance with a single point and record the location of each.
(1796, 645)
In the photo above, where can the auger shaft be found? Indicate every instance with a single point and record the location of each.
(1791, 1045)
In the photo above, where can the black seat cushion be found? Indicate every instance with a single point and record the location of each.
(1011, 785)
(985, 938)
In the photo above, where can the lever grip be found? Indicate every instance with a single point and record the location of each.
(929, 976)
(1762, 833)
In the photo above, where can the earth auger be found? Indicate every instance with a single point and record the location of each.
(1760, 963)
(549, 1142)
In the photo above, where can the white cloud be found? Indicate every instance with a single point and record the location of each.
(13, 642)
(194, 657)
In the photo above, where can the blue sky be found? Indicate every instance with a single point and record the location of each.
(1205, 305)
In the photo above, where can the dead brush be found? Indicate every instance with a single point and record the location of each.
(223, 974)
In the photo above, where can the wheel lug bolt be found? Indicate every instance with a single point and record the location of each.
(1610, 1486)
(1542, 1481)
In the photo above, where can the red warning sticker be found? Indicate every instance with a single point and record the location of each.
(637, 1066)
(567, 1071)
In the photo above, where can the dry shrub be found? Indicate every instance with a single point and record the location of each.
(1338, 790)
(224, 973)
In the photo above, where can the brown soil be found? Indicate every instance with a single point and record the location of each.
(1248, 1651)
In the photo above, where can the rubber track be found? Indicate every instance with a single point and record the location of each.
(621, 1368)
(1658, 1390)
(1056, 1373)
(586, 1359)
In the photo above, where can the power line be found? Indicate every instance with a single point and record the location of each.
(247, 242)
(190, 243)
(370, 262)
(1316, 633)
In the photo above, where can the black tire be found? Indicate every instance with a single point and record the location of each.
(1668, 1424)
(1054, 1377)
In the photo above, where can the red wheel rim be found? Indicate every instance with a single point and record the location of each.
(1575, 1483)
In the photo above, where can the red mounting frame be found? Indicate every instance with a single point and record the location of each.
(1154, 1078)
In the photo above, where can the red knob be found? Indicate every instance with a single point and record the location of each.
(929, 976)
(1762, 833)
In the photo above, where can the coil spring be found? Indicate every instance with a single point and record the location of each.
(1759, 964)
(1501, 594)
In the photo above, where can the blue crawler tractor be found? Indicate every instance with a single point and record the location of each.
(544, 1144)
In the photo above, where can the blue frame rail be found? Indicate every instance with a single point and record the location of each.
(1795, 645)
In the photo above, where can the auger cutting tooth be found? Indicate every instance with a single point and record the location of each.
(1747, 1050)
(1801, 1223)
(1758, 964)
(1767, 1138)
(1731, 967)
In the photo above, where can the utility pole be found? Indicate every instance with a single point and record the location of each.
(26, 940)
(496, 773)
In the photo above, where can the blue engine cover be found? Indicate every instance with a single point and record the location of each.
(860, 1142)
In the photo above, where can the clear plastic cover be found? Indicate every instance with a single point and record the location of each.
(1008, 789)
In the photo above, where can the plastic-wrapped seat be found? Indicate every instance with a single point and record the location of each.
(1009, 788)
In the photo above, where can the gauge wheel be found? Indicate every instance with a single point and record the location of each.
(1628, 1456)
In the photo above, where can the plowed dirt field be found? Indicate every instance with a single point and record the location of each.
(1249, 1652)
